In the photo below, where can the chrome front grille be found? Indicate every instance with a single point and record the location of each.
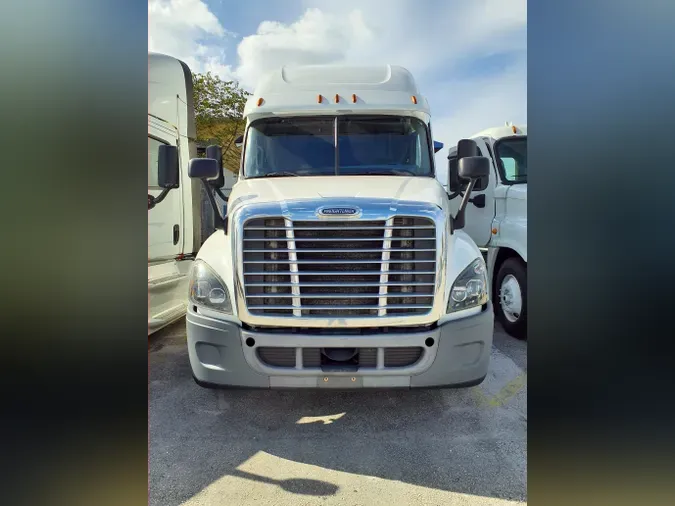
(339, 268)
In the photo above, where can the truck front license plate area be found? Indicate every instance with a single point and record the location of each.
(340, 382)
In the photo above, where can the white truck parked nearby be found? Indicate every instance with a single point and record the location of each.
(339, 263)
(497, 219)
(178, 220)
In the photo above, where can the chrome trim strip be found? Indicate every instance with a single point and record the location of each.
(390, 306)
(418, 227)
(320, 262)
(349, 285)
(346, 273)
(350, 239)
(343, 250)
(343, 295)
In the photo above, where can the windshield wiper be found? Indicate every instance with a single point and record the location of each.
(389, 172)
(280, 173)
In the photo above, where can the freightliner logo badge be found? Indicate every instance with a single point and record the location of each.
(339, 211)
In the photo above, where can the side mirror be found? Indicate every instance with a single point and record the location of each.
(208, 170)
(216, 153)
(167, 167)
(470, 169)
(203, 168)
(437, 146)
(239, 141)
(466, 148)
(473, 167)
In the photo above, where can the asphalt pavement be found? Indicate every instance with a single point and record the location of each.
(431, 447)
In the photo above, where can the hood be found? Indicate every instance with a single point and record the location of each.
(394, 188)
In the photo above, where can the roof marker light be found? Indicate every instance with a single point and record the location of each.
(337, 98)
(414, 99)
(353, 98)
(319, 99)
(514, 129)
(260, 101)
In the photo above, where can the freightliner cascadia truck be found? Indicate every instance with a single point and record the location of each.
(337, 261)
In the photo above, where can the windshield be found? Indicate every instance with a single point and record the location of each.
(366, 145)
(512, 155)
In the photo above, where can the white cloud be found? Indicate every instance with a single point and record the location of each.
(181, 28)
(438, 35)
(316, 37)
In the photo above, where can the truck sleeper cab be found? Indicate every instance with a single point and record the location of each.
(338, 264)
(174, 217)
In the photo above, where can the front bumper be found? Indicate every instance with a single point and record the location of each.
(223, 354)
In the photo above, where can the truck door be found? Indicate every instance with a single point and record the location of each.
(165, 220)
(478, 223)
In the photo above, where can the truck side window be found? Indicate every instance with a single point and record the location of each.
(509, 168)
(153, 154)
(512, 158)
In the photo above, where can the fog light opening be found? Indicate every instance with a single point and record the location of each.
(429, 342)
(250, 342)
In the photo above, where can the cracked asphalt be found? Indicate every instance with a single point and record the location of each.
(432, 447)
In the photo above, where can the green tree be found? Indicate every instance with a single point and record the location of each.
(219, 109)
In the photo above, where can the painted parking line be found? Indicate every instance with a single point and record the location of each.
(505, 394)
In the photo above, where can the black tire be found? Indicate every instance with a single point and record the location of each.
(517, 269)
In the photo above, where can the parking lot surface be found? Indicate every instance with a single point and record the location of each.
(432, 447)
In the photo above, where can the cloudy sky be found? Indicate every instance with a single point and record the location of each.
(469, 57)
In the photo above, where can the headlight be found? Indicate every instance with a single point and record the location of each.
(470, 288)
(207, 289)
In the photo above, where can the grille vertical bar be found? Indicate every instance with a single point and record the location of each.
(384, 277)
(293, 267)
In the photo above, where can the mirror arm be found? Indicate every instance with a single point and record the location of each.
(459, 221)
(217, 218)
(153, 201)
(453, 195)
(220, 194)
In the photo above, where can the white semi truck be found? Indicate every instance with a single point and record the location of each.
(338, 263)
(497, 219)
(180, 217)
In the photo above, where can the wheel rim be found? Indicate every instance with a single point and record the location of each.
(510, 298)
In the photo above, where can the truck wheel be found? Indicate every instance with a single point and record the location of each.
(511, 297)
